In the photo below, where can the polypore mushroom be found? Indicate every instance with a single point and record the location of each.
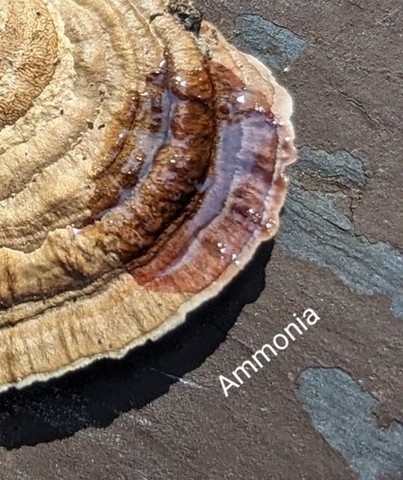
(141, 165)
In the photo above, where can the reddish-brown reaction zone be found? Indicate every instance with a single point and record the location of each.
(186, 185)
(229, 205)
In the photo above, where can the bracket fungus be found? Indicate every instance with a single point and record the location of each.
(141, 164)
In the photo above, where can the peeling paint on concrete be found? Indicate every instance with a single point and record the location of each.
(275, 46)
(344, 415)
(314, 229)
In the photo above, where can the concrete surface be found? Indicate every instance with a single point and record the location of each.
(331, 405)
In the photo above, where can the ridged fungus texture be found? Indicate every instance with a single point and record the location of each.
(142, 163)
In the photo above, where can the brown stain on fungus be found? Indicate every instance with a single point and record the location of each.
(231, 197)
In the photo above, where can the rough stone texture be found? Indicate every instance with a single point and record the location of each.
(315, 229)
(343, 414)
(160, 414)
(275, 46)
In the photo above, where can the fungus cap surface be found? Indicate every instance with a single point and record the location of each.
(141, 164)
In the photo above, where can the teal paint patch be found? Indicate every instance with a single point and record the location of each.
(312, 228)
(343, 414)
(275, 46)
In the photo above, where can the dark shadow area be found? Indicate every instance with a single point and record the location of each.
(96, 395)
